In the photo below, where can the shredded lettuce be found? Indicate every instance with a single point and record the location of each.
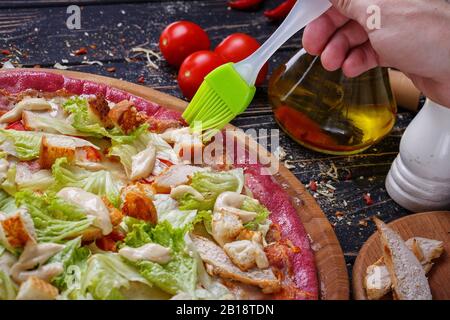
(101, 182)
(167, 209)
(8, 289)
(180, 273)
(82, 118)
(26, 144)
(19, 177)
(9, 184)
(261, 213)
(72, 257)
(54, 219)
(210, 184)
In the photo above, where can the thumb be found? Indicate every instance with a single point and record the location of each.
(354, 9)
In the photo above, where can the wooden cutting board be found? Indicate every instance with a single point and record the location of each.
(332, 271)
(433, 225)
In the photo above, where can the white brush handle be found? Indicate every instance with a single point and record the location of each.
(303, 12)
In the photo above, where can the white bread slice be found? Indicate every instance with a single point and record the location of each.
(377, 281)
(408, 277)
(36, 289)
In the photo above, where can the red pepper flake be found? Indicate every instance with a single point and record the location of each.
(141, 79)
(244, 4)
(80, 51)
(5, 52)
(368, 199)
(281, 11)
(313, 185)
(93, 46)
(111, 69)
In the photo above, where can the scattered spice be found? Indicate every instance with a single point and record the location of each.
(111, 69)
(60, 66)
(148, 53)
(313, 185)
(93, 46)
(141, 79)
(92, 62)
(244, 4)
(281, 11)
(5, 52)
(339, 214)
(368, 199)
(80, 51)
(363, 223)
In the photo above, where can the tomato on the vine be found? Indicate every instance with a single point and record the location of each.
(194, 69)
(180, 39)
(237, 47)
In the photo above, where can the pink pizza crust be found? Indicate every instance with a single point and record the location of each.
(264, 187)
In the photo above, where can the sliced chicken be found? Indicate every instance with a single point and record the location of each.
(231, 202)
(150, 252)
(26, 104)
(218, 263)
(142, 164)
(225, 227)
(17, 229)
(36, 289)
(246, 254)
(172, 135)
(189, 148)
(176, 175)
(91, 205)
(31, 262)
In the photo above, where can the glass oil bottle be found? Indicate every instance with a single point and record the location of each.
(328, 112)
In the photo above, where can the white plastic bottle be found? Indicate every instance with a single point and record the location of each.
(419, 179)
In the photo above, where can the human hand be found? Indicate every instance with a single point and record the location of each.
(414, 37)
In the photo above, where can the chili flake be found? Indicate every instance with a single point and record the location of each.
(80, 51)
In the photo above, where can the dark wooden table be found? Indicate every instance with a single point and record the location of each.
(35, 32)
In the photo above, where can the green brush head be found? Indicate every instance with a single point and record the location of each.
(221, 97)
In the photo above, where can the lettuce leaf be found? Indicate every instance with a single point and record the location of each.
(103, 278)
(82, 119)
(8, 289)
(126, 147)
(261, 213)
(46, 123)
(26, 144)
(101, 182)
(73, 256)
(180, 273)
(210, 184)
(7, 203)
(54, 219)
(167, 209)
(19, 177)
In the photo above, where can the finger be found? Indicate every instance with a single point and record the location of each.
(354, 9)
(360, 60)
(349, 36)
(317, 33)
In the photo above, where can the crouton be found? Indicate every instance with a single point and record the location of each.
(49, 153)
(36, 289)
(99, 107)
(125, 115)
(139, 205)
(18, 229)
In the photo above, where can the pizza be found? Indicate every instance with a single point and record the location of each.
(99, 201)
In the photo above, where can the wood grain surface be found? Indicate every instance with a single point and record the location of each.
(35, 33)
(432, 225)
(333, 279)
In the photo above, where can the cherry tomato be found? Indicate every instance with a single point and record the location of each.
(194, 69)
(237, 47)
(180, 39)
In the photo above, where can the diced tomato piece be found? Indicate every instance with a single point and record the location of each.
(18, 125)
(92, 154)
(116, 235)
(166, 162)
(106, 243)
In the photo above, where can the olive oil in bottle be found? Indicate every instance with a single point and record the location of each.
(328, 112)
